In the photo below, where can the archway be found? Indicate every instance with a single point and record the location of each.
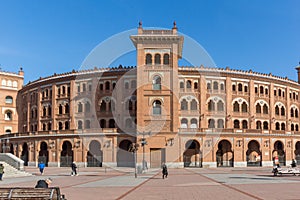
(124, 157)
(24, 154)
(43, 153)
(297, 152)
(253, 154)
(224, 154)
(94, 155)
(66, 155)
(192, 154)
(279, 153)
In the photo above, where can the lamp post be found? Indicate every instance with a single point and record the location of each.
(143, 143)
(133, 148)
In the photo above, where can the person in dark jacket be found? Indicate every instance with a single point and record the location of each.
(43, 183)
(164, 171)
(74, 169)
(294, 164)
(1, 171)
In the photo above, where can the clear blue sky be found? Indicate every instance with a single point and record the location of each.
(46, 37)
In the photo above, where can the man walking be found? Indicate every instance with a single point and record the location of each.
(41, 167)
(74, 169)
(164, 171)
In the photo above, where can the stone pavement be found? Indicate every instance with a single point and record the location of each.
(192, 183)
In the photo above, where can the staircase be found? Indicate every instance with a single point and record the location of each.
(10, 171)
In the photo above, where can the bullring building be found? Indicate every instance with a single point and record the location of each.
(183, 116)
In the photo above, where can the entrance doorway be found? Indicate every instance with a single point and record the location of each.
(94, 155)
(279, 152)
(192, 154)
(24, 154)
(297, 152)
(253, 154)
(224, 154)
(157, 157)
(125, 158)
(43, 154)
(66, 155)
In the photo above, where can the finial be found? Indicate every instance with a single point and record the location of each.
(21, 68)
(140, 24)
(174, 24)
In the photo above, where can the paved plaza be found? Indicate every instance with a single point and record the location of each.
(192, 183)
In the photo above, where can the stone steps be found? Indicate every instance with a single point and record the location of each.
(10, 171)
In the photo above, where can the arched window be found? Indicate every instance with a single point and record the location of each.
(244, 107)
(296, 127)
(292, 112)
(258, 108)
(236, 124)
(103, 106)
(245, 124)
(208, 85)
(216, 85)
(156, 83)
(166, 59)
(60, 109)
(60, 125)
(220, 106)
(87, 124)
(258, 125)
(279, 92)
(211, 123)
(181, 85)
(194, 123)
(44, 126)
(266, 125)
(44, 111)
(79, 125)
(189, 84)
(296, 113)
(236, 107)
(276, 110)
(100, 87)
(126, 85)
(261, 89)
(148, 59)
(87, 107)
(184, 123)
(194, 105)
(292, 127)
(67, 108)
(67, 125)
(8, 100)
(211, 106)
(156, 107)
(240, 87)
(8, 115)
(220, 123)
(79, 107)
(133, 84)
(130, 105)
(265, 109)
(277, 126)
(283, 126)
(184, 104)
(195, 85)
(222, 86)
(49, 126)
(233, 88)
(157, 60)
(102, 123)
(107, 85)
(112, 123)
(282, 111)
(245, 88)
(266, 91)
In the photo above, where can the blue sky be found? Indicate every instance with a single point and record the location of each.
(46, 37)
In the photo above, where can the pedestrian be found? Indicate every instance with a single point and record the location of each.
(74, 169)
(164, 171)
(43, 183)
(1, 171)
(41, 167)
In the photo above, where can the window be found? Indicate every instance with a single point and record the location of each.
(211, 123)
(101, 87)
(258, 125)
(266, 91)
(240, 87)
(292, 112)
(233, 88)
(292, 127)
(222, 86)
(49, 126)
(103, 106)
(156, 107)
(184, 123)
(282, 111)
(60, 126)
(133, 84)
(245, 88)
(211, 106)
(60, 109)
(156, 83)
(275, 91)
(8, 99)
(208, 86)
(236, 124)
(261, 89)
(220, 106)
(245, 124)
(79, 107)
(184, 105)
(244, 107)
(111, 123)
(157, 60)
(276, 110)
(44, 111)
(194, 123)
(193, 104)
(216, 85)
(107, 85)
(79, 125)
(265, 109)
(188, 84)
(258, 108)
(8, 115)
(277, 126)
(148, 59)
(266, 125)
(181, 85)
(236, 107)
(283, 126)
(220, 123)
(256, 90)
(296, 113)
(63, 89)
(126, 85)
(90, 87)
(67, 108)
(87, 124)
(67, 126)
(128, 123)
(87, 107)
(166, 59)
(102, 123)
(195, 85)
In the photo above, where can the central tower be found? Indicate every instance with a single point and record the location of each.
(158, 52)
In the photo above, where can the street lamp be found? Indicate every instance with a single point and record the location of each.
(143, 143)
(133, 148)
